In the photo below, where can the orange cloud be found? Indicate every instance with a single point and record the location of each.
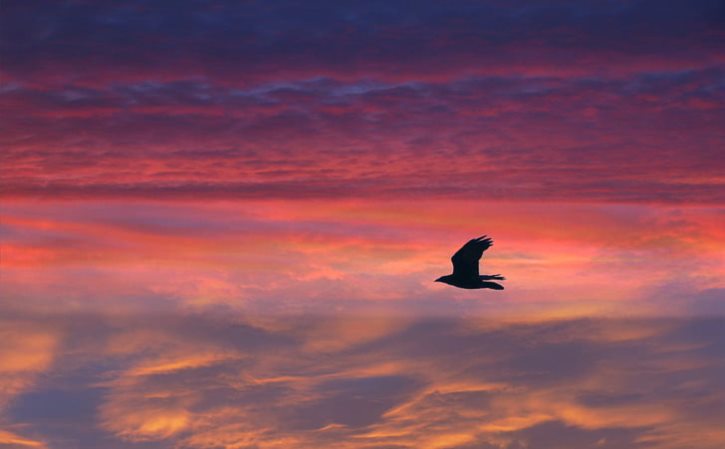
(16, 441)
(27, 349)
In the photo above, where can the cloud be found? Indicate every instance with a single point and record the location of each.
(51, 41)
(28, 349)
(206, 380)
(433, 383)
(513, 138)
(11, 440)
(519, 102)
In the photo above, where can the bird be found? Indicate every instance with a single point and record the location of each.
(465, 267)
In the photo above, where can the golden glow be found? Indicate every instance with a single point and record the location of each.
(478, 381)
(146, 424)
(13, 440)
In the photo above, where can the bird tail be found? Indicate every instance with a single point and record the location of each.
(492, 285)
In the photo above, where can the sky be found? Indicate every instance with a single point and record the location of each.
(294, 175)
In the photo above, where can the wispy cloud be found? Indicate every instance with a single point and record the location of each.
(433, 383)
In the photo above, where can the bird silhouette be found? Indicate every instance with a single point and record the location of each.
(465, 267)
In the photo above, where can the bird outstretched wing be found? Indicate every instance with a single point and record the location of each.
(465, 260)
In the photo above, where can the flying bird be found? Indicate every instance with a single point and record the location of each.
(465, 267)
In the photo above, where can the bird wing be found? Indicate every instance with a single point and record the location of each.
(465, 260)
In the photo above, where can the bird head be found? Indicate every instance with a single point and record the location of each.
(441, 279)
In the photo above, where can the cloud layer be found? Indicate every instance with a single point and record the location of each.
(375, 382)
(574, 101)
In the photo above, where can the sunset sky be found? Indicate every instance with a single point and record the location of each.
(297, 173)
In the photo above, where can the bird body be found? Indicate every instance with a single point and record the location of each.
(465, 267)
